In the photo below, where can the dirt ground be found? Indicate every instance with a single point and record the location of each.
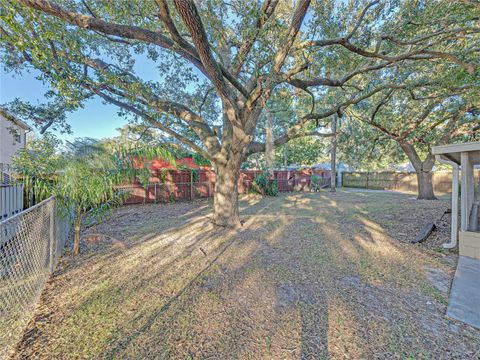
(309, 276)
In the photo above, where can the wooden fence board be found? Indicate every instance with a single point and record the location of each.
(400, 181)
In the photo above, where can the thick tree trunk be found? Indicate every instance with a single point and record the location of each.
(225, 200)
(423, 170)
(269, 144)
(77, 227)
(425, 185)
(333, 156)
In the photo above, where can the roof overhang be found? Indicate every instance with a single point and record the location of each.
(453, 151)
(15, 120)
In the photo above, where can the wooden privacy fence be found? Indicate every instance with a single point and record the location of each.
(174, 185)
(400, 181)
(11, 200)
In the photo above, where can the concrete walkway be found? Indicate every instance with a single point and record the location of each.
(464, 304)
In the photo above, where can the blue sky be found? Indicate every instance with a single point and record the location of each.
(96, 120)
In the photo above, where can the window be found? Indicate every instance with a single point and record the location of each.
(17, 138)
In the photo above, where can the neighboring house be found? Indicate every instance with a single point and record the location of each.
(328, 166)
(405, 167)
(13, 136)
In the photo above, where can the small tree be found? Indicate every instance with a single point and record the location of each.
(86, 178)
(90, 184)
(90, 190)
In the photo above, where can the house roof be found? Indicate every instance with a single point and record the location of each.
(328, 166)
(14, 119)
(453, 151)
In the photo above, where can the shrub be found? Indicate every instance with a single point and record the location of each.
(272, 189)
(316, 182)
(201, 160)
(263, 185)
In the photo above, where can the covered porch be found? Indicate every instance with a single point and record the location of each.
(464, 302)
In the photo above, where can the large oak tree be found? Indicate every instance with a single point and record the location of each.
(221, 63)
(416, 122)
(445, 109)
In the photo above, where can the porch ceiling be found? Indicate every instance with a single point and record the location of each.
(453, 151)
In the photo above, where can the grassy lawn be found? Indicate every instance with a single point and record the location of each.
(309, 275)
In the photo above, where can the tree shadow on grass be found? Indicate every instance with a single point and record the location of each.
(295, 282)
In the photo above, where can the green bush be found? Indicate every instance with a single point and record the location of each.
(316, 182)
(272, 189)
(261, 181)
(263, 185)
(200, 160)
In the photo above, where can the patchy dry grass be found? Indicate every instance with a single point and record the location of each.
(311, 276)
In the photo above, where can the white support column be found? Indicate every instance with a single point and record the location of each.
(454, 223)
(467, 190)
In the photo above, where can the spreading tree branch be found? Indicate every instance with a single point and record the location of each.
(125, 32)
(267, 9)
(191, 18)
(256, 147)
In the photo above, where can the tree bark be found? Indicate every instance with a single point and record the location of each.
(225, 199)
(333, 156)
(77, 227)
(425, 185)
(269, 144)
(423, 169)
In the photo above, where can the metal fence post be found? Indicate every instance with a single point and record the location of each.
(52, 236)
(191, 184)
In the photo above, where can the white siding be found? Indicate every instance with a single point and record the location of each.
(8, 144)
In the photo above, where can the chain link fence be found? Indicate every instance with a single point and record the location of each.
(31, 243)
(174, 190)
